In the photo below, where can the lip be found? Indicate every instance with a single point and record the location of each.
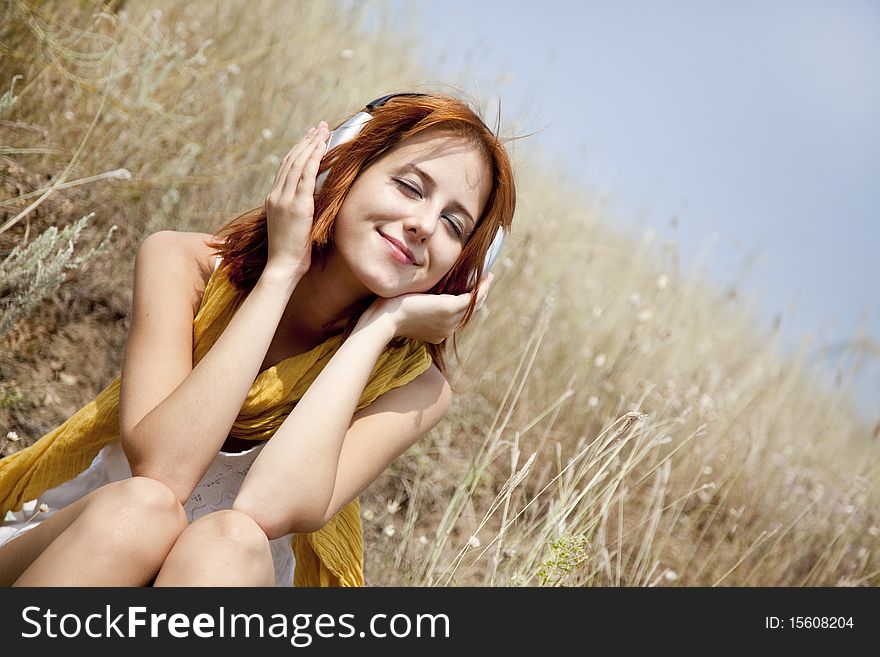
(400, 248)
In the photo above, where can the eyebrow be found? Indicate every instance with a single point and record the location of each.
(432, 183)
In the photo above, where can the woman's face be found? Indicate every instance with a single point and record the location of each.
(425, 194)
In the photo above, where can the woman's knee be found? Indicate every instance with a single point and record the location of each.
(224, 548)
(121, 532)
(137, 506)
(235, 530)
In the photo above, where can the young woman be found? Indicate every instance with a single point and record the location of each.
(273, 371)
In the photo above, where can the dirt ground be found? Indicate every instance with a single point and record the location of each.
(58, 358)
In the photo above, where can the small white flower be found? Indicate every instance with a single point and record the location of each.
(705, 496)
(389, 531)
(599, 360)
(474, 542)
(346, 53)
(266, 134)
(70, 116)
(662, 281)
(670, 575)
(120, 174)
(12, 437)
(645, 315)
(593, 401)
(873, 531)
(423, 540)
(44, 508)
(707, 470)
(368, 514)
(392, 506)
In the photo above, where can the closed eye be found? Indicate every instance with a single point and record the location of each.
(410, 190)
(414, 192)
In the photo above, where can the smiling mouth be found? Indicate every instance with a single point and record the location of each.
(396, 252)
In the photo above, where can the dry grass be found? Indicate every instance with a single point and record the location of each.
(616, 424)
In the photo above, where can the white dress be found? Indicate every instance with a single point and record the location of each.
(216, 491)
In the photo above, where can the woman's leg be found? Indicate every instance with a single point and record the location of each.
(117, 535)
(224, 548)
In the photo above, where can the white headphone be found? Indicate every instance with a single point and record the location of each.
(350, 129)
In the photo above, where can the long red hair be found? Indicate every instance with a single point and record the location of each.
(243, 243)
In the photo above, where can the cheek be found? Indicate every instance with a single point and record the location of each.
(443, 262)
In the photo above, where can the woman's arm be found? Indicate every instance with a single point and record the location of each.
(324, 454)
(173, 417)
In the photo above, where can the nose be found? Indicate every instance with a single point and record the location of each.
(421, 224)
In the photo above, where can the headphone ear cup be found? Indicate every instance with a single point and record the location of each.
(344, 133)
(491, 255)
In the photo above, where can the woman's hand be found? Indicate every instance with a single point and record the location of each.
(290, 206)
(428, 317)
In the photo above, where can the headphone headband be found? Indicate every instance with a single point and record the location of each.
(381, 100)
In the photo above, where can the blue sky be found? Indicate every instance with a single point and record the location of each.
(755, 122)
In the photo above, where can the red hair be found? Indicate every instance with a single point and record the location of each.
(243, 242)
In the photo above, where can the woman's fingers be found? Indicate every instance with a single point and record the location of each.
(465, 299)
(484, 290)
(305, 189)
(481, 294)
(303, 144)
(315, 148)
(291, 155)
(294, 158)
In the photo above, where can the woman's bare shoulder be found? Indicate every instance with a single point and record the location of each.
(198, 257)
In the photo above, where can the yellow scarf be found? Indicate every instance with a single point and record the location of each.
(331, 556)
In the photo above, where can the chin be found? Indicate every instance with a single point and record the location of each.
(389, 291)
(381, 279)
(384, 286)
(378, 282)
